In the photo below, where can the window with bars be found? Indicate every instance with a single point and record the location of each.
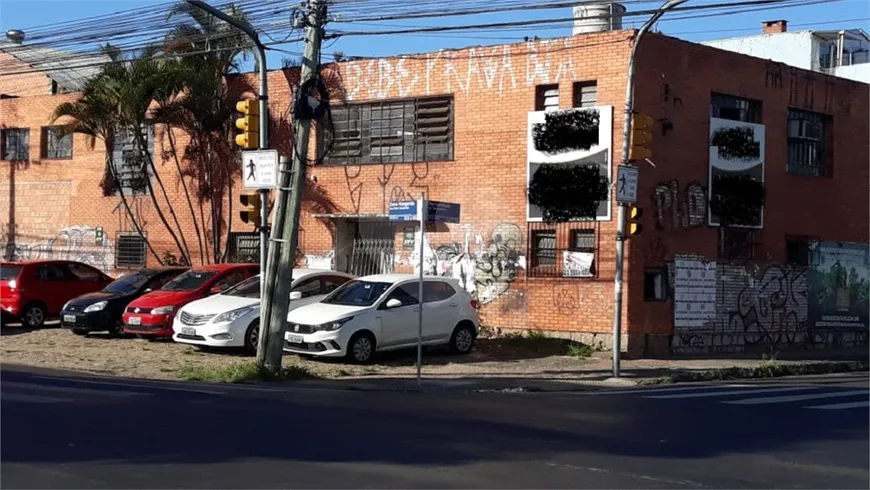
(547, 98)
(797, 249)
(244, 247)
(15, 144)
(129, 251)
(586, 94)
(737, 243)
(809, 143)
(130, 163)
(55, 144)
(410, 130)
(562, 249)
(725, 106)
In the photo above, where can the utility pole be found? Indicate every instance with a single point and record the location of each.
(285, 225)
(620, 216)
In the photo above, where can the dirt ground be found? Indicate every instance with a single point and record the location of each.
(53, 347)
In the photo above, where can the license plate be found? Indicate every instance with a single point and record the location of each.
(69, 318)
(295, 339)
(188, 331)
(135, 320)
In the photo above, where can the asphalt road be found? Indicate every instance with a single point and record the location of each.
(64, 431)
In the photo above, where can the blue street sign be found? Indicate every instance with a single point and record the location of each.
(444, 212)
(403, 211)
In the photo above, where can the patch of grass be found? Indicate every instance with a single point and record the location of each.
(578, 350)
(241, 373)
(769, 368)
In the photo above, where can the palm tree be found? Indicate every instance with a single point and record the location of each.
(209, 49)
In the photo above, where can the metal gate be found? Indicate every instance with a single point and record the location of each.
(373, 248)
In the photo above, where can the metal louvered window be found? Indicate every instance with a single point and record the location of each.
(56, 145)
(547, 98)
(129, 251)
(586, 94)
(410, 130)
(15, 144)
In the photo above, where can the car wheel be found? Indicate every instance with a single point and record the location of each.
(34, 315)
(462, 339)
(80, 331)
(361, 348)
(252, 338)
(117, 330)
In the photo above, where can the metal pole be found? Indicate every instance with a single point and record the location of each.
(620, 214)
(422, 211)
(285, 225)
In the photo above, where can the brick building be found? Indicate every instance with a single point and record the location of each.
(457, 125)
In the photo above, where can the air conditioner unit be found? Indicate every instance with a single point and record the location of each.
(804, 129)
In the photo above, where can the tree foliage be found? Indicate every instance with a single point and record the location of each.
(566, 192)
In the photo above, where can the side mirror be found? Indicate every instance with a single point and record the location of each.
(393, 303)
(295, 295)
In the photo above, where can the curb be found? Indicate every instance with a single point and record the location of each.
(768, 370)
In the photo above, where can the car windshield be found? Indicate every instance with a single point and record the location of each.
(249, 288)
(357, 293)
(129, 283)
(9, 272)
(189, 281)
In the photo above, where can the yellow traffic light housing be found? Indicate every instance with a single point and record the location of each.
(634, 214)
(250, 212)
(641, 137)
(249, 138)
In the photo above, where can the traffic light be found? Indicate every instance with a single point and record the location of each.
(249, 138)
(641, 137)
(250, 212)
(634, 215)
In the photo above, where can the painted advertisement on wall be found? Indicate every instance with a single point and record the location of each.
(736, 150)
(590, 131)
(694, 292)
(839, 286)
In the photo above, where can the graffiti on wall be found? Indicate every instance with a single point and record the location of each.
(772, 308)
(680, 208)
(481, 68)
(80, 243)
(499, 263)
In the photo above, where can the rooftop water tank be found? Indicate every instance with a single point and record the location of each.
(597, 17)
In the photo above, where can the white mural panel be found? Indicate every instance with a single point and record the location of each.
(694, 293)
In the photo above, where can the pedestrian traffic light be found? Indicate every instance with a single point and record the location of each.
(249, 138)
(641, 137)
(250, 212)
(634, 215)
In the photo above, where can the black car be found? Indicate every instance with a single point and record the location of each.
(101, 311)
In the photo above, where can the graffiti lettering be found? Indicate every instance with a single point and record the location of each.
(686, 210)
(497, 266)
(78, 243)
(566, 298)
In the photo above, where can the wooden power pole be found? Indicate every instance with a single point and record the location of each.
(285, 224)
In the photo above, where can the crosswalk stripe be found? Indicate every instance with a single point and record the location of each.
(707, 394)
(69, 389)
(632, 391)
(796, 398)
(21, 397)
(842, 406)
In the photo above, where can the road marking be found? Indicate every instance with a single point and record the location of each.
(20, 397)
(663, 390)
(69, 389)
(134, 385)
(795, 398)
(727, 393)
(842, 406)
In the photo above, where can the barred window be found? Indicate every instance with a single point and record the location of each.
(129, 251)
(586, 94)
(15, 144)
(547, 98)
(725, 106)
(809, 143)
(244, 247)
(130, 163)
(409, 130)
(55, 144)
(563, 249)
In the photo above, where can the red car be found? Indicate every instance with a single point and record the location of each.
(152, 314)
(32, 291)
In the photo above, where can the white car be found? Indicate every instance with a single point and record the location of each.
(380, 313)
(232, 318)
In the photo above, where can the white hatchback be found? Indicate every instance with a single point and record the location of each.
(380, 313)
(232, 318)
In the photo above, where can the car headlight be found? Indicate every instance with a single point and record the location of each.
(162, 310)
(98, 306)
(65, 305)
(232, 315)
(333, 326)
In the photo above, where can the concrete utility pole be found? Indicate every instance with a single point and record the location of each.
(620, 217)
(285, 225)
